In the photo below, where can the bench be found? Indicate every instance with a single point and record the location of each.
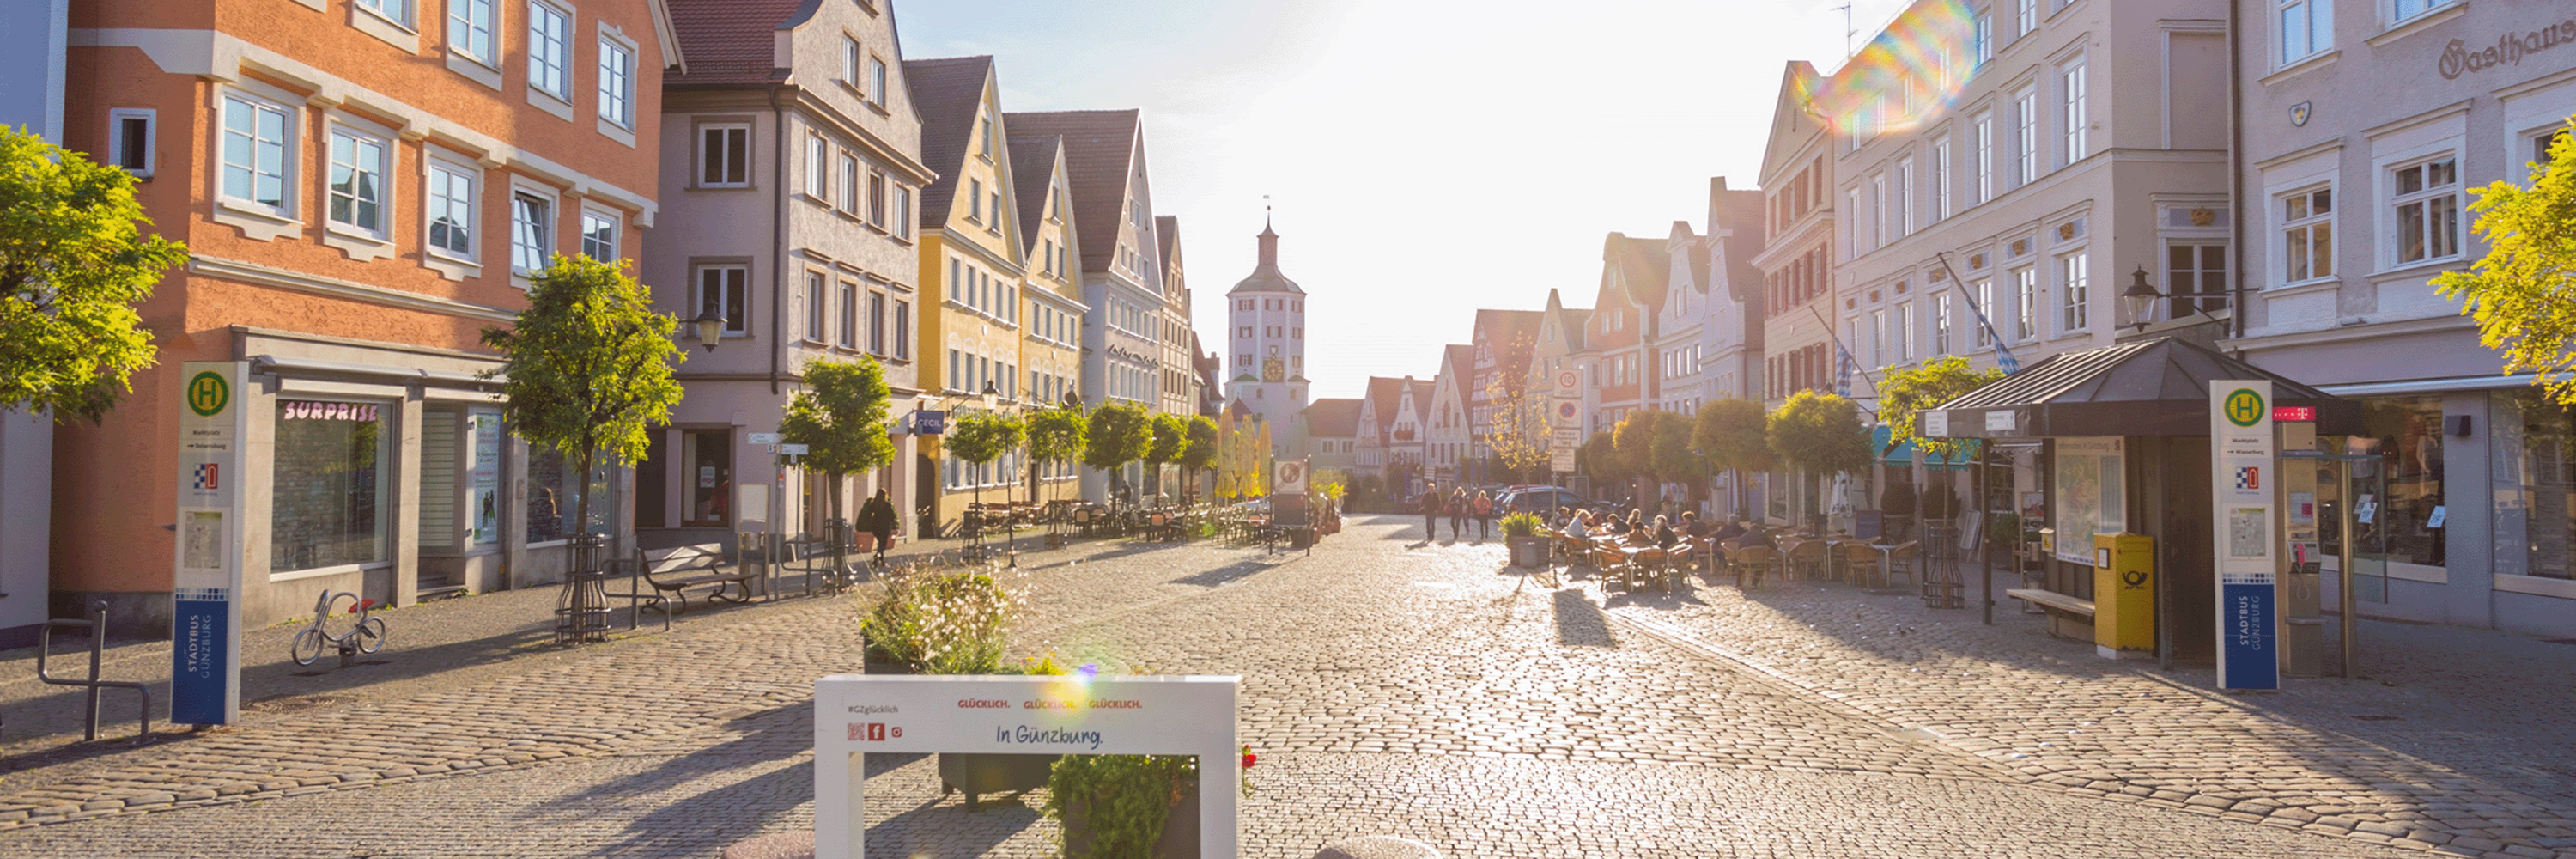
(672, 571)
(2053, 601)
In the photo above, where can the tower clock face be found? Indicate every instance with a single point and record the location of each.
(1272, 370)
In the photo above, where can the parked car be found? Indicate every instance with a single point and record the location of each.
(1542, 498)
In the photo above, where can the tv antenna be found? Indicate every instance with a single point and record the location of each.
(1848, 32)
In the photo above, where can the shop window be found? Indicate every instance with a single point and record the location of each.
(328, 485)
(706, 469)
(554, 498)
(2406, 434)
(2535, 485)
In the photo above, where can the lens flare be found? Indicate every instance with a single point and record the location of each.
(1907, 76)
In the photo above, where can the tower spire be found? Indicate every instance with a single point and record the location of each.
(1269, 238)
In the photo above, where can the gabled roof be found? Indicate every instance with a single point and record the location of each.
(1099, 146)
(1461, 356)
(1032, 173)
(1791, 123)
(1333, 417)
(1384, 395)
(1641, 265)
(732, 41)
(1686, 241)
(1421, 396)
(946, 92)
(1512, 334)
(1737, 232)
(1167, 234)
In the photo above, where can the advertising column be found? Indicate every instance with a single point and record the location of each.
(205, 650)
(2242, 475)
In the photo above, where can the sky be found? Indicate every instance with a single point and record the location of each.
(1421, 162)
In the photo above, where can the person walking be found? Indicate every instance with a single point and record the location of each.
(1430, 500)
(1483, 507)
(1457, 514)
(877, 518)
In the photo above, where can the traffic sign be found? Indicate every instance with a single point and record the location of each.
(792, 449)
(764, 438)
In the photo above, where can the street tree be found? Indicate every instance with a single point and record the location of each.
(978, 438)
(586, 370)
(1055, 438)
(1119, 434)
(1820, 432)
(1732, 434)
(1598, 458)
(1905, 393)
(1201, 452)
(840, 418)
(1171, 440)
(73, 263)
(2523, 292)
(1518, 417)
(1653, 447)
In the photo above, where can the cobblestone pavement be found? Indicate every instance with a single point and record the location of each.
(1393, 687)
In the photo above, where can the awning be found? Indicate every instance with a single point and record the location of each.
(1904, 453)
(2152, 387)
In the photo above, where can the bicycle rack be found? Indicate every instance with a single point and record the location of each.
(97, 648)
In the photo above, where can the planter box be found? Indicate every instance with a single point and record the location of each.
(978, 773)
(1180, 827)
(1528, 551)
(875, 667)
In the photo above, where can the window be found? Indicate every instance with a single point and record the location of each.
(2026, 119)
(2535, 486)
(1903, 337)
(849, 315)
(986, 135)
(2074, 292)
(1985, 310)
(974, 200)
(818, 168)
(849, 61)
(469, 28)
(876, 323)
(849, 173)
(2307, 235)
(1983, 37)
(2539, 145)
(1941, 324)
(2195, 278)
(876, 197)
(339, 459)
(876, 81)
(2427, 196)
(2077, 117)
(902, 329)
(996, 209)
(549, 48)
(598, 236)
(129, 135)
(817, 306)
(357, 187)
(2307, 27)
(532, 232)
(2407, 9)
(2028, 19)
(616, 83)
(256, 149)
(903, 211)
(399, 11)
(722, 290)
(1905, 197)
(1984, 132)
(1879, 354)
(451, 209)
(1941, 201)
(2026, 291)
(724, 156)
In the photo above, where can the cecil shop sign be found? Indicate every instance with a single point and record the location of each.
(1062, 714)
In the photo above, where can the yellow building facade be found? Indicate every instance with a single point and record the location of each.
(974, 267)
(1051, 328)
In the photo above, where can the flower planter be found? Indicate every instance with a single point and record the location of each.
(1180, 828)
(978, 773)
(875, 667)
(1528, 551)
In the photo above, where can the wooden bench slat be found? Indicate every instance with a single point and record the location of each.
(2053, 599)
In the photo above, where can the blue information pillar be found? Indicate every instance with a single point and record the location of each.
(205, 626)
(2242, 472)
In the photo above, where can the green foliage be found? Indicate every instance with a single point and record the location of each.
(1055, 434)
(1820, 432)
(1904, 393)
(1896, 499)
(1938, 502)
(1119, 434)
(1330, 483)
(1655, 445)
(587, 365)
(1200, 453)
(1124, 800)
(1598, 458)
(941, 623)
(1733, 434)
(73, 263)
(1171, 440)
(1517, 414)
(1522, 524)
(981, 437)
(2005, 531)
(841, 419)
(2523, 292)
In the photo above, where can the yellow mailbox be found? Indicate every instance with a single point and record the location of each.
(2124, 593)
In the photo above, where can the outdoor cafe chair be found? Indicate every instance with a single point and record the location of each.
(1857, 559)
(1751, 563)
(1803, 560)
(1901, 560)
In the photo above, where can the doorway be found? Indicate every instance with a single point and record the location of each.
(706, 468)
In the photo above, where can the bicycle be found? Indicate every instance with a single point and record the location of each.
(366, 632)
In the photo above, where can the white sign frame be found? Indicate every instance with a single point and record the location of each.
(1020, 714)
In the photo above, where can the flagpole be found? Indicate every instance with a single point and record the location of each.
(2003, 354)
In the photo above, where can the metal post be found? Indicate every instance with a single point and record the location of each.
(1986, 537)
(97, 649)
(2350, 628)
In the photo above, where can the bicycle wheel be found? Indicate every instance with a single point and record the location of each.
(371, 635)
(307, 646)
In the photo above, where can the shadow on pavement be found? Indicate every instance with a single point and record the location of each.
(1580, 623)
(1221, 575)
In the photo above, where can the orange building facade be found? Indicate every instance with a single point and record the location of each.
(363, 186)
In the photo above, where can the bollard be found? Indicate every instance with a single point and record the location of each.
(97, 625)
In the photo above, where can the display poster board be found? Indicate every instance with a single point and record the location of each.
(205, 617)
(2091, 494)
(1061, 714)
(2243, 474)
(1288, 477)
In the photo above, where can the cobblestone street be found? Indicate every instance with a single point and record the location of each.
(1392, 687)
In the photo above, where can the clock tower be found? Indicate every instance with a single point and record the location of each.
(1265, 362)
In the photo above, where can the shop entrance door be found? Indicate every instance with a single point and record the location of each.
(706, 469)
(2359, 565)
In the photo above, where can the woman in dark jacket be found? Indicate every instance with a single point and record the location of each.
(877, 518)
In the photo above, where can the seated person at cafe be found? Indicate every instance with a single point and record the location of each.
(1729, 531)
(1692, 526)
(1663, 533)
(1576, 527)
(1756, 537)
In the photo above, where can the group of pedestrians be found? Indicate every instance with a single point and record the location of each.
(1459, 507)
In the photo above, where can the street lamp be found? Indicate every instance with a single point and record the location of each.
(709, 326)
(2139, 297)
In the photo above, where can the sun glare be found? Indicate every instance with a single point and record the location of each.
(1908, 75)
